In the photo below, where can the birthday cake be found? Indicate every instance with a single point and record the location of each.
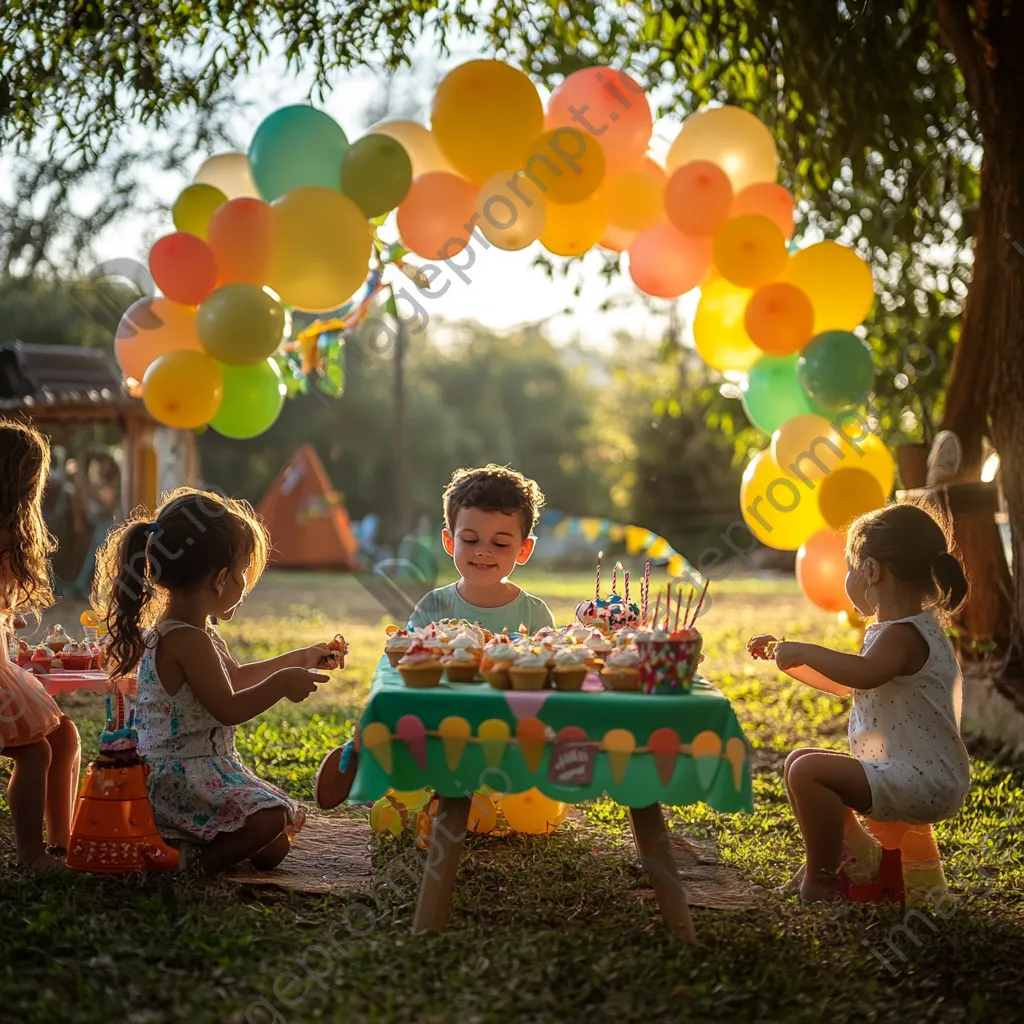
(119, 741)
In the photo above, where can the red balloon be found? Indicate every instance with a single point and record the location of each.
(183, 268)
(665, 263)
(241, 235)
(698, 197)
(611, 106)
(437, 216)
(821, 571)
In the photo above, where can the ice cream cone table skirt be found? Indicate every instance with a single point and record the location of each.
(641, 750)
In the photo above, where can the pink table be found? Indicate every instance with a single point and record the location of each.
(91, 682)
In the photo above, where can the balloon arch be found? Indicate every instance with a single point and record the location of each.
(294, 225)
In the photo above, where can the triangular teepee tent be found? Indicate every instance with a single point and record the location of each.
(309, 526)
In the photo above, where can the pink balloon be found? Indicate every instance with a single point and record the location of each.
(183, 268)
(433, 217)
(610, 105)
(666, 263)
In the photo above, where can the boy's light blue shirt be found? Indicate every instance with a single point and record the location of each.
(445, 603)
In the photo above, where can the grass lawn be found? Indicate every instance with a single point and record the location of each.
(542, 929)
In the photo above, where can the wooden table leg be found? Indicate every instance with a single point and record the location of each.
(656, 857)
(443, 854)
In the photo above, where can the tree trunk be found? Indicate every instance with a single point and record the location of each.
(986, 391)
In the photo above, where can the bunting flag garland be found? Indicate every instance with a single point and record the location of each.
(534, 737)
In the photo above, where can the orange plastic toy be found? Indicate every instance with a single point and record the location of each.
(113, 831)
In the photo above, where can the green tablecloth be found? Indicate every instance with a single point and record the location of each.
(644, 749)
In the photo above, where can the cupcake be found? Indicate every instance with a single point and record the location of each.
(57, 639)
(500, 658)
(529, 671)
(570, 668)
(599, 647)
(461, 666)
(467, 641)
(397, 645)
(622, 670)
(579, 632)
(76, 657)
(421, 667)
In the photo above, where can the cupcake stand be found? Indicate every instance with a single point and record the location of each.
(642, 750)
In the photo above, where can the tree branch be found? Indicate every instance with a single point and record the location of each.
(956, 28)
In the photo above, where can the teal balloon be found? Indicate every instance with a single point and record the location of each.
(376, 174)
(253, 399)
(772, 393)
(836, 370)
(297, 147)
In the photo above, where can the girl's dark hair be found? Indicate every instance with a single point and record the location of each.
(192, 537)
(913, 546)
(25, 542)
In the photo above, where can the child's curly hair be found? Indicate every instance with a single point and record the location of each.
(25, 542)
(494, 489)
(193, 536)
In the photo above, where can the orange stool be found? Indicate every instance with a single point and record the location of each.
(923, 878)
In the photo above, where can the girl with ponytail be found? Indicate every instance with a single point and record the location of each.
(160, 583)
(909, 763)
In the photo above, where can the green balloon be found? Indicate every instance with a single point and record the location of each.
(296, 147)
(376, 174)
(836, 369)
(240, 324)
(253, 398)
(772, 393)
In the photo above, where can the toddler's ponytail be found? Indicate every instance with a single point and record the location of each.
(123, 566)
(950, 582)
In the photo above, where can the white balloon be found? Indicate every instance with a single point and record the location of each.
(230, 173)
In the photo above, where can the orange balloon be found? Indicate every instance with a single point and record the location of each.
(779, 318)
(636, 197)
(771, 201)
(847, 494)
(821, 571)
(436, 218)
(183, 268)
(571, 230)
(750, 250)
(532, 812)
(617, 239)
(151, 328)
(611, 106)
(485, 116)
(666, 263)
(242, 239)
(698, 198)
(566, 165)
(512, 211)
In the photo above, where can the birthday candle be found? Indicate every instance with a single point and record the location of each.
(657, 608)
(679, 603)
(597, 578)
(625, 584)
(645, 590)
(700, 603)
(615, 576)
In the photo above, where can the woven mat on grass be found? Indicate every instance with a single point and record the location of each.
(331, 856)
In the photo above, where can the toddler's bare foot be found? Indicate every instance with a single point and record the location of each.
(820, 889)
(42, 862)
(793, 885)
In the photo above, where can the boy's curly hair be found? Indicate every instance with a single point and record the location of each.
(493, 488)
(25, 542)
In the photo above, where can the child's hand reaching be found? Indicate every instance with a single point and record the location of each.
(788, 655)
(321, 656)
(762, 648)
(299, 683)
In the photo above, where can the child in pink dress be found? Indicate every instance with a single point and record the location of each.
(164, 581)
(34, 734)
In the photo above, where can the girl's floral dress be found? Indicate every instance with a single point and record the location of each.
(197, 782)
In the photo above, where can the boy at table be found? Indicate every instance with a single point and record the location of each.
(490, 515)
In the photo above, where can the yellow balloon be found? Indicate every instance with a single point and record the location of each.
(194, 208)
(836, 280)
(532, 812)
(807, 447)
(419, 142)
(750, 250)
(183, 389)
(483, 814)
(732, 138)
(322, 251)
(780, 511)
(567, 165)
(636, 198)
(846, 494)
(230, 173)
(877, 460)
(485, 117)
(511, 210)
(718, 328)
(572, 230)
